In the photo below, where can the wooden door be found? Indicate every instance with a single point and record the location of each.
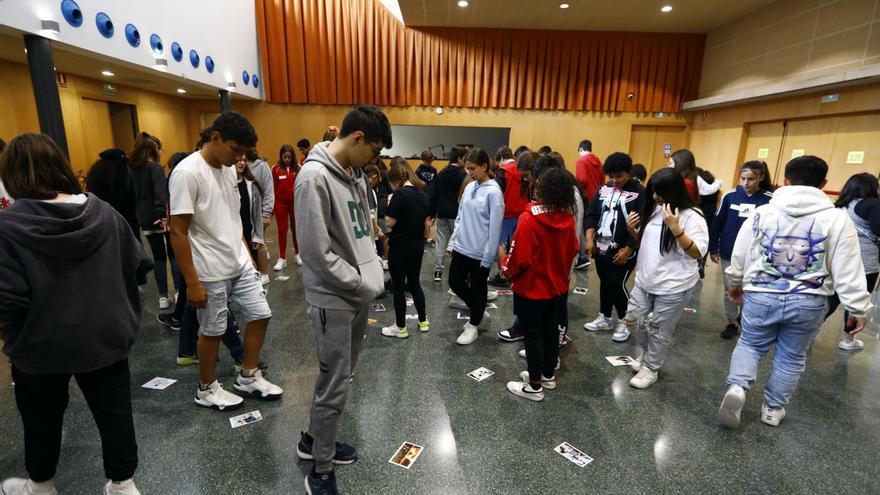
(764, 143)
(97, 130)
(648, 144)
(859, 134)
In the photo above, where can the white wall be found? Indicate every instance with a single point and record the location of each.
(224, 29)
(410, 140)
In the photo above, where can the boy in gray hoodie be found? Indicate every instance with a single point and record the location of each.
(341, 275)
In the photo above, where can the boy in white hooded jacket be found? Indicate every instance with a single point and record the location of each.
(788, 258)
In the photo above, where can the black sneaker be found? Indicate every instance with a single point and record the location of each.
(438, 276)
(512, 334)
(169, 321)
(345, 453)
(730, 332)
(582, 263)
(321, 484)
(497, 281)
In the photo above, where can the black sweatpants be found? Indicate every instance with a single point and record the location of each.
(539, 320)
(612, 286)
(42, 400)
(160, 245)
(405, 266)
(834, 301)
(469, 281)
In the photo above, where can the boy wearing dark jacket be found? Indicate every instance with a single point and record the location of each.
(609, 242)
(443, 205)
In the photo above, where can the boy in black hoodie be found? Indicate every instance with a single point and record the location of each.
(610, 243)
(56, 240)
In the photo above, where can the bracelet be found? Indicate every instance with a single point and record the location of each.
(690, 246)
(679, 235)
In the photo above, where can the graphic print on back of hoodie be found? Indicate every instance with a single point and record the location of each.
(793, 255)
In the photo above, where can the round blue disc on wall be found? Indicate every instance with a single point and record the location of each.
(105, 25)
(256, 81)
(209, 64)
(194, 58)
(176, 51)
(72, 13)
(156, 44)
(245, 77)
(132, 35)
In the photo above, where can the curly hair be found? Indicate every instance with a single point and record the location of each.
(554, 191)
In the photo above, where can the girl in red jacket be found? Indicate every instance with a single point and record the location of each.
(538, 266)
(283, 178)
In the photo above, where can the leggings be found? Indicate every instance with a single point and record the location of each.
(834, 301)
(469, 282)
(542, 334)
(405, 265)
(283, 212)
(160, 245)
(612, 286)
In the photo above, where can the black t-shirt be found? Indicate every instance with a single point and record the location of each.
(245, 210)
(409, 206)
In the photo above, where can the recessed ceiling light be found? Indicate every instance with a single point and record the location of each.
(666, 8)
(564, 5)
(107, 73)
(181, 91)
(462, 3)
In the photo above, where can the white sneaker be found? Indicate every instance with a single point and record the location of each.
(850, 343)
(522, 354)
(731, 406)
(771, 416)
(297, 259)
(636, 366)
(491, 295)
(385, 265)
(394, 331)
(525, 390)
(457, 302)
(264, 279)
(621, 333)
(217, 398)
(468, 335)
(23, 486)
(546, 383)
(644, 378)
(257, 386)
(126, 487)
(281, 264)
(599, 324)
(164, 302)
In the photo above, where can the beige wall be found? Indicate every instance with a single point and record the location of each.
(791, 40)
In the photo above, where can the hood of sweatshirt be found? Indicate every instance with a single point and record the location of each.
(553, 220)
(799, 201)
(66, 231)
(320, 153)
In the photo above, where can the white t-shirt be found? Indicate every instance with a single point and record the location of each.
(210, 195)
(5, 199)
(674, 271)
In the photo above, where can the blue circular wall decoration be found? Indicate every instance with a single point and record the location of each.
(132, 35)
(245, 77)
(105, 25)
(72, 13)
(209, 64)
(156, 44)
(176, 51)
(194, 58)
(256, 81)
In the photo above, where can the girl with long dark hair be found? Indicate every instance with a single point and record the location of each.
(283, 181)
(672, 238)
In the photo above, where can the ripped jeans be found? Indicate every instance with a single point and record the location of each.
(654, 336)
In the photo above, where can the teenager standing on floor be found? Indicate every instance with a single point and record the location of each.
(610, 243)
(539, 265)
(283, 180)
(474, 243)
(407, 218)
(736, 207)
(591, 177)
(262, 176)
(444, 205)
(207, 235)
(341, 277)
(55, 240)
(514, 185)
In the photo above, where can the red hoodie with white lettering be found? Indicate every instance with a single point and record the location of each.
(539, 261)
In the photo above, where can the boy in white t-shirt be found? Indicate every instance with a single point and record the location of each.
(207, 236)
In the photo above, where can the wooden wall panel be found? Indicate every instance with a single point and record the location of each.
(97, 130)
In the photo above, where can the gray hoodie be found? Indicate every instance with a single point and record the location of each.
(340, 268)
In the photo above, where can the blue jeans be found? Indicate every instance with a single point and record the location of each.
(791, 321)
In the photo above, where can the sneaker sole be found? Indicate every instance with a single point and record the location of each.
(218, 408)
(254, 394)
(620, 338)
(531, 397)
(730, 406)
(309, 457)
(306, 482)
(546, 385)
(509, 339)
(642, 386)
(396, 336)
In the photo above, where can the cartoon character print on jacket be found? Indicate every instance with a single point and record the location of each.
(793, 253)
(612, 199)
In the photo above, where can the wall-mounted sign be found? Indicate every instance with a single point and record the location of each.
(109, 90)
(855, 157)
(763, 152)
(798, 152)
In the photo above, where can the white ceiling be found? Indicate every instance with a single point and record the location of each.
(687, 16)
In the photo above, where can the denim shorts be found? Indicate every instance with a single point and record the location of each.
(245, 291)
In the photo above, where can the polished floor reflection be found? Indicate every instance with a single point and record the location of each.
(478, 437)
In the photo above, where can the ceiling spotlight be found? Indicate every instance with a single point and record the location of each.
(462, 3)
(107, 73)
(49, 27)
(181, 91)
(564, 5)
(666, 8)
